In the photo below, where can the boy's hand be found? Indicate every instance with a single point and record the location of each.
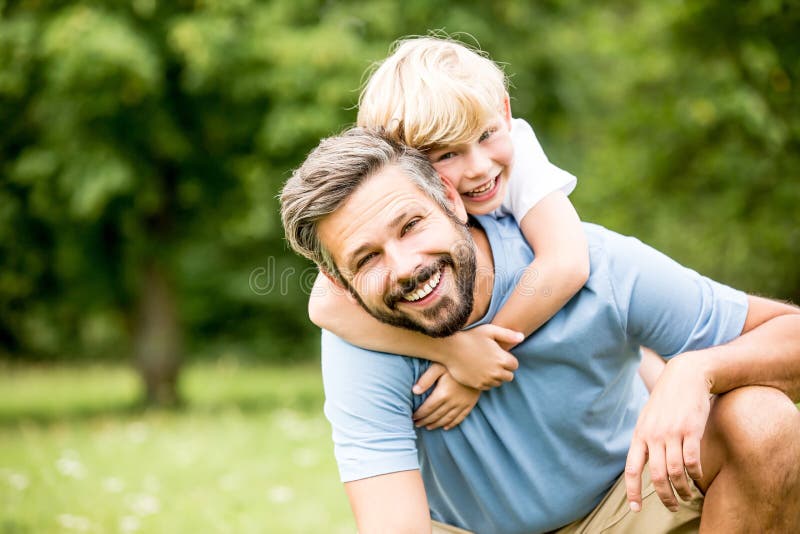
(449, 403)
(477, 358)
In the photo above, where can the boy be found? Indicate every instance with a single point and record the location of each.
(451, 102)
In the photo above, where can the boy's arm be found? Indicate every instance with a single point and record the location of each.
(475, 361)
(390, 503)
(559, 270)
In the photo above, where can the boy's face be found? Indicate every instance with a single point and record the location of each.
(480, 168)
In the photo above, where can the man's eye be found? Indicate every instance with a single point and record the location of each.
(364, 260)
(409, 225)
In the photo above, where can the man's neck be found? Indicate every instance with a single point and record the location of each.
(484, 273)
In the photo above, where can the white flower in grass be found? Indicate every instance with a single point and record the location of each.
(74, 522)
(305, 458)
(151, 483)
(293, 425)
(281, 494)
(113, 485)
(229, 482)
(18, 481)
(143, 504)
(129, 523)
(138, 432)
(70, 465)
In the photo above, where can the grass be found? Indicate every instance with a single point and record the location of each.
(251, 453)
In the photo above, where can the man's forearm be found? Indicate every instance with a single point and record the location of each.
(767, 353)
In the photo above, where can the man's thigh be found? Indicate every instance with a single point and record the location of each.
(441, 528)
(613, 516)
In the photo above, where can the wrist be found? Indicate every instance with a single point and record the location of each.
(436, 350)
(701, 365)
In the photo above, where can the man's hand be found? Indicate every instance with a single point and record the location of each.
(448, 404)
(668, 432)
(477, 358)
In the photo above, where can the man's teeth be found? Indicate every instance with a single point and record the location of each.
(483, 188)
(425, 290)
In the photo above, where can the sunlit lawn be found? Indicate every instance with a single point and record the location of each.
(250, 453)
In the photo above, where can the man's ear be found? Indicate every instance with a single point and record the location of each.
(506, 110)
(338, 285)
(454, 198)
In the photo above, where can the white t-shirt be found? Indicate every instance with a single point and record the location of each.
(532, 177)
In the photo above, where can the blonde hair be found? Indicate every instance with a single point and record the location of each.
(432, 92)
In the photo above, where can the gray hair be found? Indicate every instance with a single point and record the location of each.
(331, 174)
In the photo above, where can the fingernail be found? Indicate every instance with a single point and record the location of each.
(635, 506)
(417, 390)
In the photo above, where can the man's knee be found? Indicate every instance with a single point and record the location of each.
(756, 425)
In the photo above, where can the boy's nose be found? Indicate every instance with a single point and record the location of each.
(478, 164)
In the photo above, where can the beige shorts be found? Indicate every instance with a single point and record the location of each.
(613, 516)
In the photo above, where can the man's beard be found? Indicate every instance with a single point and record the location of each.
(448, 315)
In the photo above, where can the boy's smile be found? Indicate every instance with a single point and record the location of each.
(479, 169)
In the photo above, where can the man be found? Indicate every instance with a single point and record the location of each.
(541, 453)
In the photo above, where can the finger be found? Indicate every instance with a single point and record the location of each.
(505, 335)
(691, 457)
(431, 404)
(459, 418)
(634, 465)
(505, 376)
(492, 382)
(434, 416)
(675, 470)
(428, 379)
(660, 478)
(445, 420)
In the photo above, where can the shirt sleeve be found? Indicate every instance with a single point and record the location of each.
(532, 177)
(369, 404)
(667, 307)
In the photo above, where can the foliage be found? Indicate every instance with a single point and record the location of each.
(161, 131)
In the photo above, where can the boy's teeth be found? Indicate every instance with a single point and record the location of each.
(425, 290)
(482, 189)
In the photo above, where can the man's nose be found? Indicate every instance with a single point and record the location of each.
(478, 164)
(403, 263)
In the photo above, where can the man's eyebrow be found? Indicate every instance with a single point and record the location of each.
(351, 258)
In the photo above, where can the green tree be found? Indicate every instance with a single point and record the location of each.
(144, 143)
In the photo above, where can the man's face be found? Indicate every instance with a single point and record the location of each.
(408, 262)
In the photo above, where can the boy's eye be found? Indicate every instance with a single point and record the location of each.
(486, 134)
(446, 155)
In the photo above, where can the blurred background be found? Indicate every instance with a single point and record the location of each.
(142, 261)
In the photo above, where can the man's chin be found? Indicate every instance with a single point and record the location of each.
(441, 327)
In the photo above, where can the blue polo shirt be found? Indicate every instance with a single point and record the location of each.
(541, 451)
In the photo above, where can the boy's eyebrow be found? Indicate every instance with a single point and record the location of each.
(394, 223)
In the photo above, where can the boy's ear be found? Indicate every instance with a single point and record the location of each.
(507, 110)
(456, 203)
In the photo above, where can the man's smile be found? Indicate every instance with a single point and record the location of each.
(424, 289)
